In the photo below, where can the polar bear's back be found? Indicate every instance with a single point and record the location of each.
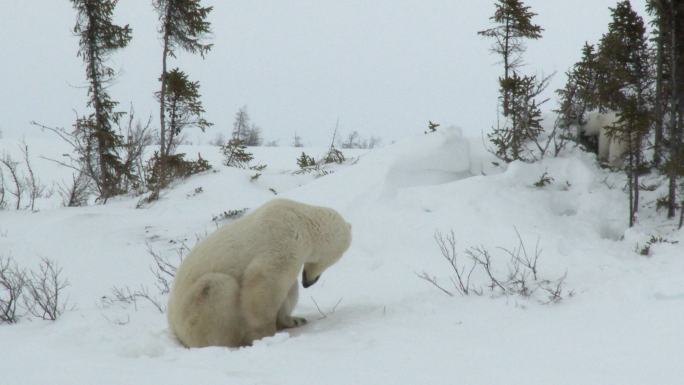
(267, 231)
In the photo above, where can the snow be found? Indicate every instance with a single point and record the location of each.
(378, 322)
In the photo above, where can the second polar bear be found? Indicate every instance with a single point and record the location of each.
(240, 283)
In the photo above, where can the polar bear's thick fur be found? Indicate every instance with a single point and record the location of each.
(610, 149)
(240, 283)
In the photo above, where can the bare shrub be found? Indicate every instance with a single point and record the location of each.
(325, 314)
(555, 291)
(12, 283)
(163, 270)
(521, 279)
(229, 215)
(354, 140)
(25, 183)
(461, 280)
(127, 296)
(483, 258)
(3, 203)
(35, 188)
(137, 137)
(19, 186)
(76, 192)
(44, 288)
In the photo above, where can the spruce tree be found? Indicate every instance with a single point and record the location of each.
(579, 96)
(305, 161)
(248, 133)
(520, 109)
(241, 125)
(665, 113)
(512, 23)
(662, 51)
(183, 106)
(183, 25)
(99, 37)
(235, 154)
(625, 81)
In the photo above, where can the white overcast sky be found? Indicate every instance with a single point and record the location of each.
(384, 67)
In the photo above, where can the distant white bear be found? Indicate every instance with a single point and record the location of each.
(610, 149)
(240, 283)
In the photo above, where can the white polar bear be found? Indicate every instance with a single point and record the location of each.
(240, 283)
(610, 149)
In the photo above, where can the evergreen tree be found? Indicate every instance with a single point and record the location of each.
(99, 37)
(663, 50)
(518, 93)
(183, 26)
(297, 140)
(513, 23)
(183, 106)
(248, 133)
(579, 96)
(236, 154)
(667, 142)
(305, 161)
(253, 136)
(241, 124)
(625, 82)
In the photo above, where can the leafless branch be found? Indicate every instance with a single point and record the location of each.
(482, 257)
(447, 246)
(11, 166)
(163, 270)
(433, 280)
(35, 189)
(128, 296)
(2, 190)
(76, 193)
(522, 279)
(45, 288)
(12, 283)
(321, 312)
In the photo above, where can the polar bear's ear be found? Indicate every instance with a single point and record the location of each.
(349, 226)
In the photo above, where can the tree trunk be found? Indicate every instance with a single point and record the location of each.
(631, 175)
(674, 130)
(103, 181)
(635, 209)
(506, 57)
(658, 108)
(163, 148)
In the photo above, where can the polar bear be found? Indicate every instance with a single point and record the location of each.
(611, 149)
(240, 283)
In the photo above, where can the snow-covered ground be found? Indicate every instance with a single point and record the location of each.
(372, 320)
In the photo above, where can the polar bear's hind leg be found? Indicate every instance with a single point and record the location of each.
(209, 313)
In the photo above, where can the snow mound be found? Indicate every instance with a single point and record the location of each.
(423, 160)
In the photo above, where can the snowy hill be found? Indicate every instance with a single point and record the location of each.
(372, 319)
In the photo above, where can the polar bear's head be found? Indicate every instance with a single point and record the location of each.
(332, 237)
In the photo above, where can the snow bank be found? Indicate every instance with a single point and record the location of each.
(421, 160)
